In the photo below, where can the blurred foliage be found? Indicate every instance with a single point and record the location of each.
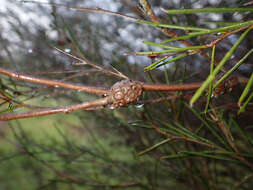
(161, 145)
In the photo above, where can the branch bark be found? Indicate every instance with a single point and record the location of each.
(50, 111)
(53, 83)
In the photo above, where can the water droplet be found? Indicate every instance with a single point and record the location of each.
(111, 107)
(67, 50)
(66, 111)
(56, 86)
(6, 90)
(139, 106)
(11, 106)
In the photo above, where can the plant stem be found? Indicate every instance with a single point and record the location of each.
(173, 87)
(53, 83)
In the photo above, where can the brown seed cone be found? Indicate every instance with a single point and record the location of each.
(124, 93)
(226, 86)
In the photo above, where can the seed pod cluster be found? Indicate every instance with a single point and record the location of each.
(226, 86)
(124, 93)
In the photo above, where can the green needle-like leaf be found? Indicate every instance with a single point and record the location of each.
(157, 64)
(217, 30)
(246, 103)
(175, 26)
(233, 69)
(153, 147)
(211, 77)
(208, 10)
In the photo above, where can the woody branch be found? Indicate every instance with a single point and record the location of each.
(121, 94)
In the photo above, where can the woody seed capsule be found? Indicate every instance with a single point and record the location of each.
(124, 93)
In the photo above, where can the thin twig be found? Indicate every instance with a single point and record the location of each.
(50, 111)
(86, 61)
(171, 87)
(148, 11)
(228, 136)
(215, 42)
(96, 10)
(64, 175)
(117, 96)
(183, 138)
(53, 83)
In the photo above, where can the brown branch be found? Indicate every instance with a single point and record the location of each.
(121, 94)
(240, 158)
(170, 97)
(53, 83)
(215, 42)
(96, 10)
(148, 11)
(173, 87)
(50, 111)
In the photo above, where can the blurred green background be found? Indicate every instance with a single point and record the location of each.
(161, 145)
